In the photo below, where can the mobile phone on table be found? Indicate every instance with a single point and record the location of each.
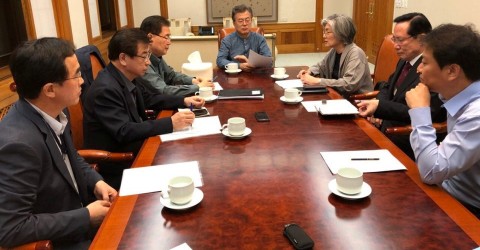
(262, 116)
(200, 112)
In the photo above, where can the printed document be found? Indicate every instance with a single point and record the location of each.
(259, 61)
(200, 127)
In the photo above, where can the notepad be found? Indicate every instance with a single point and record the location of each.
(241, 94)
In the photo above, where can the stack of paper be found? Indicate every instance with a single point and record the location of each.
(365, 160)
(200, 127)
(331, 107)
(259, 61)
(155, 178)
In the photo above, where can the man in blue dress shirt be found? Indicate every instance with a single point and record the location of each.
(449, 67)
(235, 47)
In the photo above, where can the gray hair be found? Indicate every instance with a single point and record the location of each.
(342, 27)
(240, 9)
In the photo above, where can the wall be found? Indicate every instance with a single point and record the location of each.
(43, 18)
(77, 17)
(144, 8)
(331, 7)
(438, 12)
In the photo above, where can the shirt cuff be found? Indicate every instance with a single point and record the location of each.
(420, 116)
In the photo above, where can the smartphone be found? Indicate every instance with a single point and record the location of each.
(262, 117)
(200, 112)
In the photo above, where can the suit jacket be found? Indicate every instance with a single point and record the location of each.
(353, 75)
(393, 108)
(39, 200)
(111, 120)
(83, 56)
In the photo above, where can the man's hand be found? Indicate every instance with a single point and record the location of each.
(303, 72)
(418, 97)
(244, 64)
(182, 120)
(202, 83)
(196, 101)
(104, 192)
(367, 107)
(309, 79)
(98, 210)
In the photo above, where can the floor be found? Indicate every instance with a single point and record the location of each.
(307, 59)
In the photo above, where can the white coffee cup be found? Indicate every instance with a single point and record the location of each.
(236, 126)
(349, 180)
(231, 66)
(180, 189)
(279, 71)
(292, 94)
(205, 92)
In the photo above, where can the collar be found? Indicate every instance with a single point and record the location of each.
(58, 126)
(414, 60)
(463, 98)
(154, 60)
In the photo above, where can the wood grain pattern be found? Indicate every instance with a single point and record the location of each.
(253, 187)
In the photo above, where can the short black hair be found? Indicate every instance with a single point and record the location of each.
(126, 41)
(38, 62)
(419, 23)
(154, 24)
(456, 44)
(240, 9)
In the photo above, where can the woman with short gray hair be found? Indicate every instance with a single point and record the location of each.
(345, 67)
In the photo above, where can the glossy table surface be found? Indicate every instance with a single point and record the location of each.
(276, 176)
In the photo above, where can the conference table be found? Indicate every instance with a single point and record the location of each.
(276, 176)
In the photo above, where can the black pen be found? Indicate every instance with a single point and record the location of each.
(365, 159)
(213, 79)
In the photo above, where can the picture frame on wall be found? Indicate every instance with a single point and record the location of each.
(264, 10)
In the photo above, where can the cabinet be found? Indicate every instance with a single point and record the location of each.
(374, 20)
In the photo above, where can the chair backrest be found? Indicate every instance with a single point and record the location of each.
(76, 111)
(386, 60)
(222, 33)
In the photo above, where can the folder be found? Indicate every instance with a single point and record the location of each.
(241, 94)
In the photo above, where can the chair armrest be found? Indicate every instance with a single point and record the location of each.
(440, 128)
(96, 156)
(364, 96)
(37, 245)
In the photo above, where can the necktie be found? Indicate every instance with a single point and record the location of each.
(403, 74)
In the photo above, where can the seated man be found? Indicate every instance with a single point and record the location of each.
(161, 78)
(236, 46)
(449, 67)
(114, 107)
(390, 108)
(46, 190)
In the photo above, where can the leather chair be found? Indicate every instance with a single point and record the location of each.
(38, 245)
(222, 33)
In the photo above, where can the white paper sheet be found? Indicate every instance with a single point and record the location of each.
(293, 83)
(368, 160)
(195, 57)
(200, 127)
(331, 107)
(155, 178)
(257, 60)
(217, 86)
(183, 246)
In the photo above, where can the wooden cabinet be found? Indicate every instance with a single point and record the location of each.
(374, 20)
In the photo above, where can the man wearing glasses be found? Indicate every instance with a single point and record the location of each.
(160, 77)
(390, 108)
(114, 107)
(235, 47)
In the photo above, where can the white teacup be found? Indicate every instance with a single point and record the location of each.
(349, 180)
(205, 92)
(231, 66)
(279, 71)
(180, 189)
(236, 126)
(292, 94)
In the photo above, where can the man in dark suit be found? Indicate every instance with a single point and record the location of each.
(114, 107)
(47, 191)
(390, 108)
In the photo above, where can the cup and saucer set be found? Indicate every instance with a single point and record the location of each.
(349, 184)
(236, 128)
(279, 74)
(181, 194)
(232, 68)
(207, 94)
(291, 96)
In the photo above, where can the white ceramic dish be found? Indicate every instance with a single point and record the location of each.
(211, 98)
(298, 100)
(247, 132)
(366, 191)
(279, 77)
(233, 71)
(197, 197)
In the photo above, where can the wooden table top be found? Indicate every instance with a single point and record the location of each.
(276, 176)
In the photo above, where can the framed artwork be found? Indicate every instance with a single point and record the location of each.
(264, 10)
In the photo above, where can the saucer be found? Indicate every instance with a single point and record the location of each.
(211, 98)
(233, 71)
(366, 191)
(247, 132)
(196, 198)
(279, 77)
(283, 99)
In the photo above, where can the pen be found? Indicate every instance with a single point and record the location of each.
(365, 159)
(191, 106)
(213, 79)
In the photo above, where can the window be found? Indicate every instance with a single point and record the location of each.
(107, 11)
